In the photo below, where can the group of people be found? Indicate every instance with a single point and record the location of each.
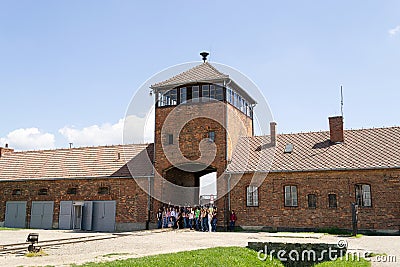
(198, 218)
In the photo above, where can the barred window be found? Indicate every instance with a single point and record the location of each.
(252, 196)
(72, 191)
(312, 201)
(42, 192)
(332, 201)
(363, 195)
(291, 196)
(16, 192)
(104, 190)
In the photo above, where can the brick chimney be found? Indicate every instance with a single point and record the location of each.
(5, 150)
(336, 129)
(272, 128)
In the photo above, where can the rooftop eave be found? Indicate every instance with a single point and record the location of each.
(156, 87)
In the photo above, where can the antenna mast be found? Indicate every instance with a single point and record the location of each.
(341, 100)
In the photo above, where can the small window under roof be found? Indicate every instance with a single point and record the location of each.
(288, 148)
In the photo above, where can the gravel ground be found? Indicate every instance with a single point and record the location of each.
(137, 244)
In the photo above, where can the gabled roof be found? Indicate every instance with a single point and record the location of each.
(204, 72)
(84, 162)
(362, 149)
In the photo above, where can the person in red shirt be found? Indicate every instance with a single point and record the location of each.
(232, 220)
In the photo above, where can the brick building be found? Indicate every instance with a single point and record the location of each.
(203, 124)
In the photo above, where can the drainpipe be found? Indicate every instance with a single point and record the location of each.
(229, 202)
(148, 203)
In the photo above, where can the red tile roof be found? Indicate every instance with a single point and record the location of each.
(100, 161)
(362, 149)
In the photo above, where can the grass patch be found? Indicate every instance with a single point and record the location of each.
(9, 229)
(227, 256)
(220, 256)
(36, 254)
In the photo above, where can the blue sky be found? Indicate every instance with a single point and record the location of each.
(68, 69)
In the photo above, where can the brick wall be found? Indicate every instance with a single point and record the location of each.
(271, 212)
(131, 201)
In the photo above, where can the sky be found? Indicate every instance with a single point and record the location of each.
(68, 69)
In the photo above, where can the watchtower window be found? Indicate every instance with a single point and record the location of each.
(168, 98)
(195, 94)
(205, 92)
(183, 95)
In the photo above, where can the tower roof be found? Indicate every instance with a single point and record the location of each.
(204, 72)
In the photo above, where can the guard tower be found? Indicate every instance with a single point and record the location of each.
(199, 116)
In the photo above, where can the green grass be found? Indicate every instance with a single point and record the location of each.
(220, 256)
(9, 229)
(229, 256)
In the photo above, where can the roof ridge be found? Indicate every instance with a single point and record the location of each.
(80, 148)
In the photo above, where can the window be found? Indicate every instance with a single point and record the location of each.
(42, 192)
(104, 190)
(205, 92)
(170, 139)
(291, 196)
(195, 94)
(219, 92)
(332, 201)
(16, 192)
(363, 195)
(183, 95)
(72, 191)
(211, 136)
(168, 98)
(312, 201)
(212, 91)
(252, 196)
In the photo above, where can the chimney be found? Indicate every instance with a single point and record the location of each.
(336, 129)
(5, 150)
(272, 128)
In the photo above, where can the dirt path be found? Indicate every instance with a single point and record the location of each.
(138, 244)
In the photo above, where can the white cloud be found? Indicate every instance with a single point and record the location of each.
(127, 130)
(395, 30)
(28, 139)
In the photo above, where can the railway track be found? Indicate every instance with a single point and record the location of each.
(23, 247)
(17, 248)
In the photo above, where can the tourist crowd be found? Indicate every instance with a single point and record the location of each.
(198, 218)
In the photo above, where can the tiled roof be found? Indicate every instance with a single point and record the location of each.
(362, 149)
(100, 161)
(204, 72)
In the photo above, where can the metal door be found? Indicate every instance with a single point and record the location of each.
(103, 216)
(87, 213)
(42, 214)
(65, 216)
(15, 214)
